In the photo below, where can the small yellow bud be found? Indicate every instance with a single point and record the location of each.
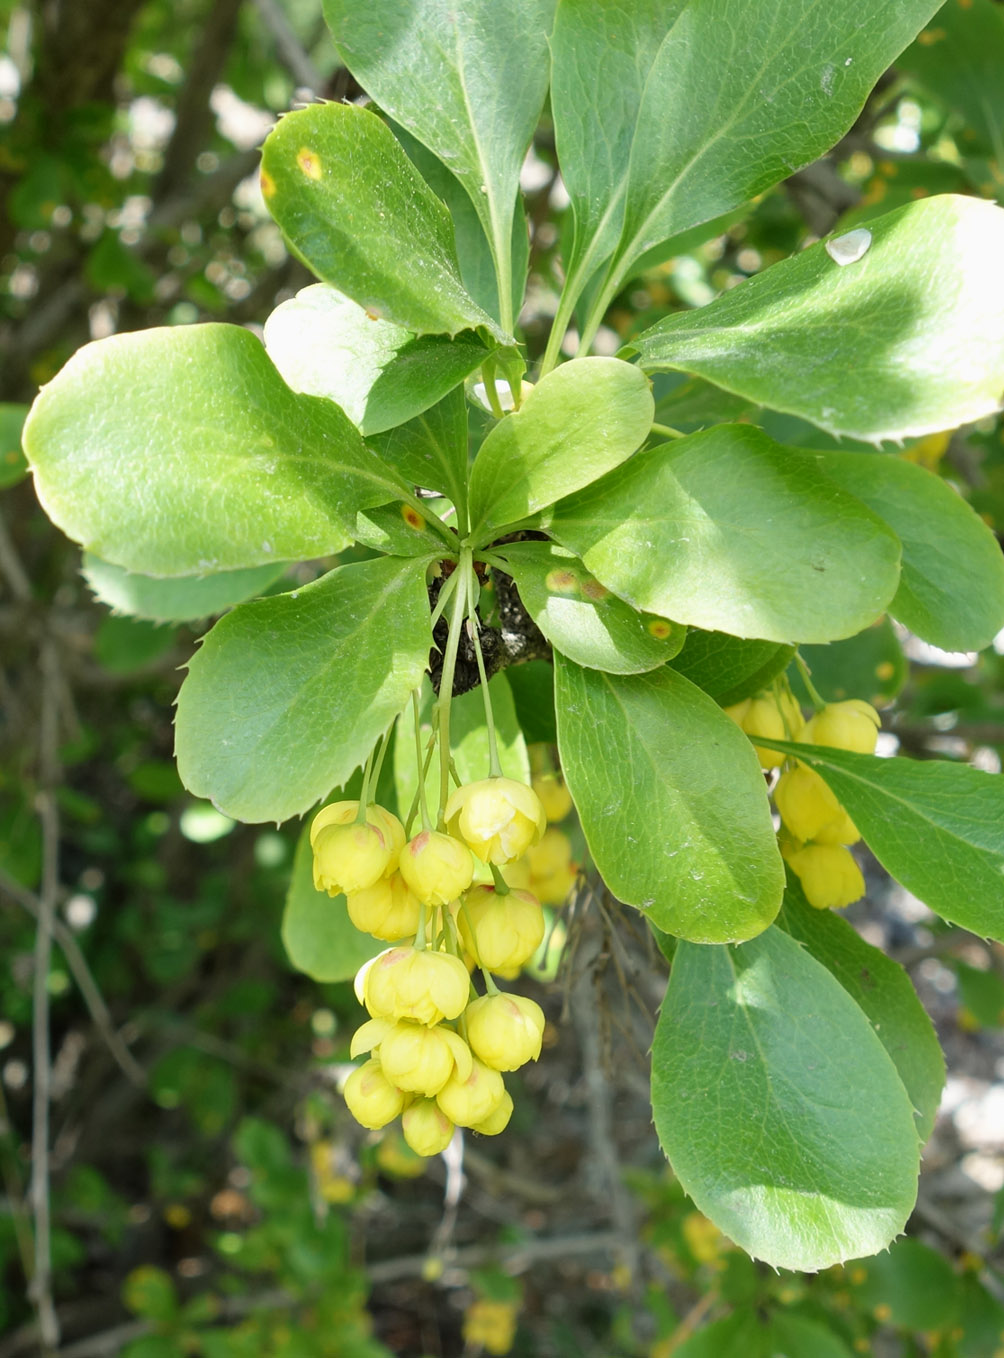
(490, 1325)
(829, 876)
(737, 711)
(765, 716)
(469, 1102)
(413, 983)
(810, 810)
(436, 867)
(349, 858)
(851, 725)
(421, 1060)
(427, 1130)
(372, 1100)
(501, 932)
(498, 818)
(388, 909)
(505, 1031)
(343, 813)
(499, 1120)
(552, 872)
(553, 795)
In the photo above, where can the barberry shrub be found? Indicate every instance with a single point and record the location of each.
(668, 575)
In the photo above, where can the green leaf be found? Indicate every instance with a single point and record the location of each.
(286, 696)
(729, 531)
(398, 530)
(149, 1292)
(468, 742)
(883, 991)
(582, 618)
(379, 373)
(431, 450)
(126, 645)
(981, 993)
(781, 1112)
(936, 827)
(187, 599)
(317, 933)
(870, 665)
(181, 451)
(580, 421)
(912, 1286)
(958, 59)
(902, 341)
(730, 669)
(951, 589)
(477, 267)
(13, 464)
(748, 1333)
(355, 210)
(467, 80)
(705, 106)
(672, 801)
(532, 685)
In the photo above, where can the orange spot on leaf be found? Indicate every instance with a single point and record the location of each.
(309, 162)
(412, 518)
(267, 184)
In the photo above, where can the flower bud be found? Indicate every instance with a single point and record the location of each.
(372, 1100)
(388, 909)
(499, 1120)
(498, 818)
(344, 813)
(436, 867)
(552, 872)
(810, 810)
(501, 932)
(505, 1031)
(421, 1060)
(413, 983)
(426, 1128)
(468, 1102)
(490, 1325)
(349, 857)
(777, 720)
(829, 876)
(553, 795)
(851, 725)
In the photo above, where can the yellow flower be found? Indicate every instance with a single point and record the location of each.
(436, 867)
(468, 1102)
(349, 858)
(427, 1130)
(554, 796)
(829, 876)
(552, 872)
(421, 1060)
(851, 725)
(777, 719)
(343, 813)
(498, 1120)
(497, 818)
(388, 909)
(373, 1101)
(810, 810)
(501, 932)
(413, 983)
(492, 1324)
(505, 1031)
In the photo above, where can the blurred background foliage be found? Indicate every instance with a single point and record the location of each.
(209, 1194)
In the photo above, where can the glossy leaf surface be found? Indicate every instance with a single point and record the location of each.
(728, 531)
(582, 619)
(730, 669)
(355, 210)
(380, 374)
(901, 341)
(782, 1114)
(286, 696)
(242, 472)
(581, 420)
(186, 599)
(672, 801)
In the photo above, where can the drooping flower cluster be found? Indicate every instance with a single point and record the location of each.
(437, 1050)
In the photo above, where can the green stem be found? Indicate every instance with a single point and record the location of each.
(502, 887)
(464, 568)
(668, 431)
(491, 391)
(364, 792)
(413, 809)
(566, 306)
(814, 697)
(420, 936)
(609, 290)
(490, 985)
(444, 598)
(494, 767)
(421, 765)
